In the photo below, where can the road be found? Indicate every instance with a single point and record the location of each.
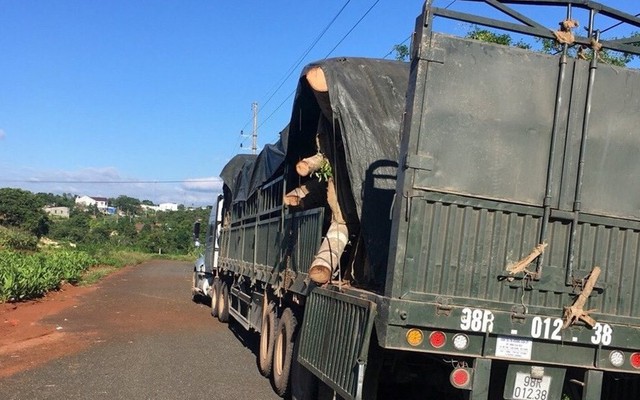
(138, 335)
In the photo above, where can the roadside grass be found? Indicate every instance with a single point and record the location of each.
(27, 275)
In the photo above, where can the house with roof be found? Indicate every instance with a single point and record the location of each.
(89, 201)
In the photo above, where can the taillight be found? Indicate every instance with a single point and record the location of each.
(415, 337)
(635, 360)
(616, 358)
(437, 339)
(460, 378)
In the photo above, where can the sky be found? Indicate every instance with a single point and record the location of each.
(149, 98)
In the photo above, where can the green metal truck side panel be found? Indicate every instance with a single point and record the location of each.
(335, 339)
(265, 244)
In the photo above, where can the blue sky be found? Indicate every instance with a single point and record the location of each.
(157, 92)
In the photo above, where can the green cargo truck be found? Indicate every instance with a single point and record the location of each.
(475, 215)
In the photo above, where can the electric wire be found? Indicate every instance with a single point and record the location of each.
(297, 63)
(120, 182)
(325, 57)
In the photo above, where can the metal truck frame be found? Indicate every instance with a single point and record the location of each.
(503, 193)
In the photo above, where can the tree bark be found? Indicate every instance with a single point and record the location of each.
(309, 165)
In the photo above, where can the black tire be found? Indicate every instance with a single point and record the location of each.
(195, 296)
(283, 352)
(267, 338)
(223, 302)
(215, 292)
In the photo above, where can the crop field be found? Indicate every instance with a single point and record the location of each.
(24, 276)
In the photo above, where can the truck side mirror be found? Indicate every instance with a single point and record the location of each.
(196, 230)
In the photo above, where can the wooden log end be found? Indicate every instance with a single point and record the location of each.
(317, 81)
(320, 274)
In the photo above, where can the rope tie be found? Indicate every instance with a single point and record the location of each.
(564, 35)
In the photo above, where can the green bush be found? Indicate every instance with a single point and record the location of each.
(24, 276)
(15, 239)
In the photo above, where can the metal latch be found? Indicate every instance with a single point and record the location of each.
(418, 161)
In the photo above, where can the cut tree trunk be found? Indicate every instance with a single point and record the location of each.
(309, 165)
(329, 254)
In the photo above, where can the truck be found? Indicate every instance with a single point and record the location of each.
(464, 226)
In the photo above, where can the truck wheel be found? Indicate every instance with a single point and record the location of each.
(283, 352)
(223, 302)
(195, 296)
(215, 292)
(267, 335)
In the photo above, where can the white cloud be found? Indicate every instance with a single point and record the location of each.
(2, 134)
(109, 182)
(212, 184)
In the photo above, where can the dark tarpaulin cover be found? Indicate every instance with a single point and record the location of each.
(268, 162)
(245, 173)
(366, 102)
(230, 174)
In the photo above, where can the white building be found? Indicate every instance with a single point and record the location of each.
(161, 207)
(62, 212)
(88, 201)
(168, 207)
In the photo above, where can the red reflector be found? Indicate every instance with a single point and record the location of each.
(635, 360)
(437, 339)
(460, 378)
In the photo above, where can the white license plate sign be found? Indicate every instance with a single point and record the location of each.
(528, 388)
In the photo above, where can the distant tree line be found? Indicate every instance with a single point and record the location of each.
(134, 228)
(546, 46)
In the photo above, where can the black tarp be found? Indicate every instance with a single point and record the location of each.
(245, 173)
(360, 118)
(230, 174)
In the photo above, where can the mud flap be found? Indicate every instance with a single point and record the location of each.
(334, 340)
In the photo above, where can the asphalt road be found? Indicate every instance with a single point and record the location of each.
(146, 340)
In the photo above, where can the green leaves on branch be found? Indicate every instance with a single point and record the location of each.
(324, 172)
(505, 39)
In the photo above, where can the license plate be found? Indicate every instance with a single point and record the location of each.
(528, 388)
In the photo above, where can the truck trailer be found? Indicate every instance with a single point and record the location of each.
(464, 226)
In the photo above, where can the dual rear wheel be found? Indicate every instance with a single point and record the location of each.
(220, 300)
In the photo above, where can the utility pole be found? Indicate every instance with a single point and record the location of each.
(254, 145)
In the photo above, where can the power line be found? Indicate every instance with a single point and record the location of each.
(105, 182)
(394, 47)
(300, 59)
(328, 54)
(352, 28)
(294, 67)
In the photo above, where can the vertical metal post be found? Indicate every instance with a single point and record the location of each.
(592, 385)
(552, 152)
(481, 379)
(577, 205)
(254, 134)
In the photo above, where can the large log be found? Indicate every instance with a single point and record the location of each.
(312, 194)
(309, 165)
(329, 254)
(317, 80)
(294, 197)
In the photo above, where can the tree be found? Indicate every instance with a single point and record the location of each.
(402, 52)
(486, 35)
(126, 204)
(549, 46)
(605, 55)
(22, 209)
(50, 199)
